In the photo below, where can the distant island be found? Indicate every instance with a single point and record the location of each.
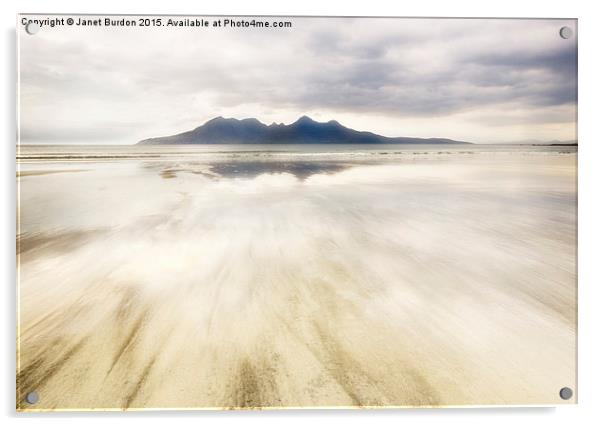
(556, 144)
(303, 131)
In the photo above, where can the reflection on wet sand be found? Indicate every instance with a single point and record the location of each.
(248, 168)
(286, 284)
(300, 169)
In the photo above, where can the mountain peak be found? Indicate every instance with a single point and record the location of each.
(305, 119)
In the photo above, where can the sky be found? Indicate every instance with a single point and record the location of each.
(476, 80)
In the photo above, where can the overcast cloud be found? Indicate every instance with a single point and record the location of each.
(474, 80)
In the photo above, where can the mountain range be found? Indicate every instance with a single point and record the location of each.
(303, 131)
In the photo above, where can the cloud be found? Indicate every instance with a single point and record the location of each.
(400, 77)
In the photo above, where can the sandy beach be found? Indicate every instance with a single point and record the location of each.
(185, 279)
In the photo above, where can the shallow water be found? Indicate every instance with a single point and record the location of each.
(221, 276)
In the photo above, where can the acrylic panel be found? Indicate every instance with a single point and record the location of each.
(226, 212)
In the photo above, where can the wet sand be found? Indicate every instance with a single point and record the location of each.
(439, 280)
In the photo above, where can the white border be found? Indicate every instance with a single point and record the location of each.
(590, 212)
